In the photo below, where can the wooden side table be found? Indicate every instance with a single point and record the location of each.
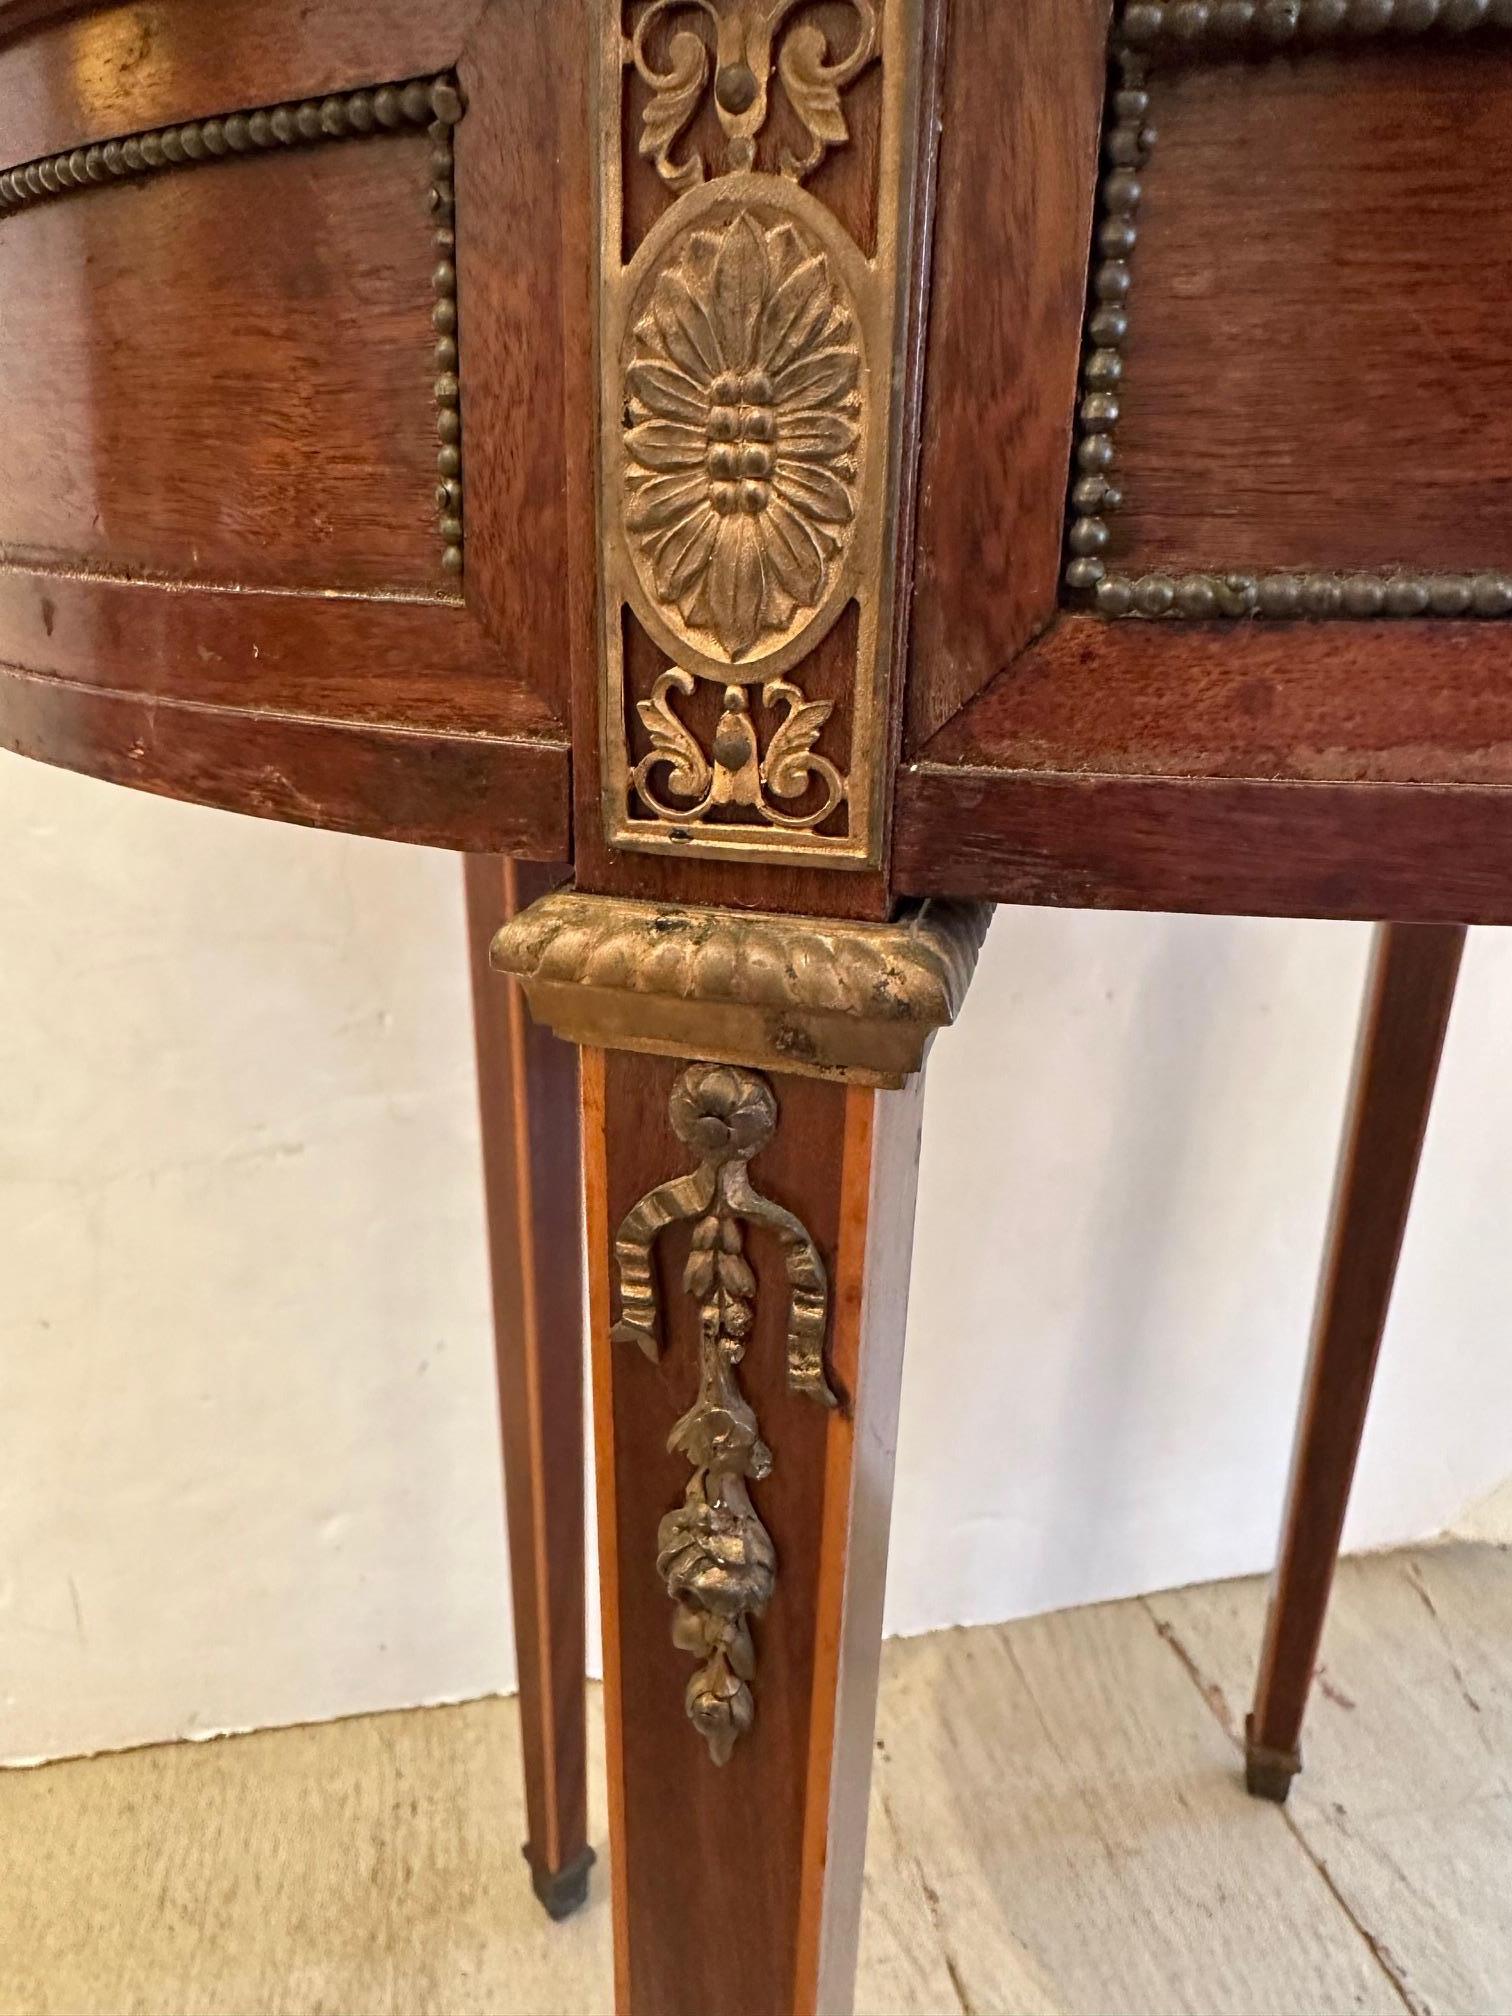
(821, 467)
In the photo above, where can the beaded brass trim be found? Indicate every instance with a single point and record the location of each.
(433, 103)
(1274, 23)
(1202, 28)
(1303, 593)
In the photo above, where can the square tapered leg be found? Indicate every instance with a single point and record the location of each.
(529, 1099)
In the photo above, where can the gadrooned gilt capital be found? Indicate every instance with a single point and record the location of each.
(821, 997)
(739, 992)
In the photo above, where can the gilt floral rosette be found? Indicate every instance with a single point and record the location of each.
(751, 400)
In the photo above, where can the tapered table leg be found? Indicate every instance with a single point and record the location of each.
(529, 1093)
(740, 1224)
(1411, 990)
(751, 1102)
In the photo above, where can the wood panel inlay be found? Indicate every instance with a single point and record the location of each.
(1292, 398)
(127, 322)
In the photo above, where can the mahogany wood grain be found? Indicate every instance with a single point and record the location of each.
(1410, 994)
(1310, 377)
(1389, 702)
(480, 793)
(220, 377)
(739, 1886)
(225, 374)
(1021, 110)
(511, 151)
(72, 74)
(1320, 333)
(1303, 769)
(879, 1184)
(405, 661)
(198, 450)
(528, 1085)
(1230, 847)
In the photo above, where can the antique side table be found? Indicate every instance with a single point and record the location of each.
(811, 469)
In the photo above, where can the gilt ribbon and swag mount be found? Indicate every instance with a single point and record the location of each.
(713, 1553)
(742, 481)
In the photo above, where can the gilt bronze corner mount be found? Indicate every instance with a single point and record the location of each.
(819, 997)
(755, 420)
(740, 993)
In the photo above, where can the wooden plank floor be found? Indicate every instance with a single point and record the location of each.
(1058, 1829)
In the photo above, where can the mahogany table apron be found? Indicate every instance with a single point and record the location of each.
(527, 1084)
(820, 467)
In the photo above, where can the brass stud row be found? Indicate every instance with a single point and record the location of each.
(1126, 148)
(1277, 22)
(345, 116)
(1303, 594)
(1127, 144)
(443, 201)
(432, 103)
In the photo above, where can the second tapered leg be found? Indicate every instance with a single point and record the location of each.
(1411, 990)
(529, 1092)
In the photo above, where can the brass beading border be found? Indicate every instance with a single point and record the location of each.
(1203, 28)
(434, 104)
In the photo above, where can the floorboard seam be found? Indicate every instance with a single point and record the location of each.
(1085, 1800)
(933, 1902)
(1412, 1570)
(1217, 1706)
(1211, 1692)
(1379, 1951)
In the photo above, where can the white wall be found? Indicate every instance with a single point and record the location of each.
(248, 1463)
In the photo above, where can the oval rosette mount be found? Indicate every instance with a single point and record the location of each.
(756, 419)
(737, 450)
